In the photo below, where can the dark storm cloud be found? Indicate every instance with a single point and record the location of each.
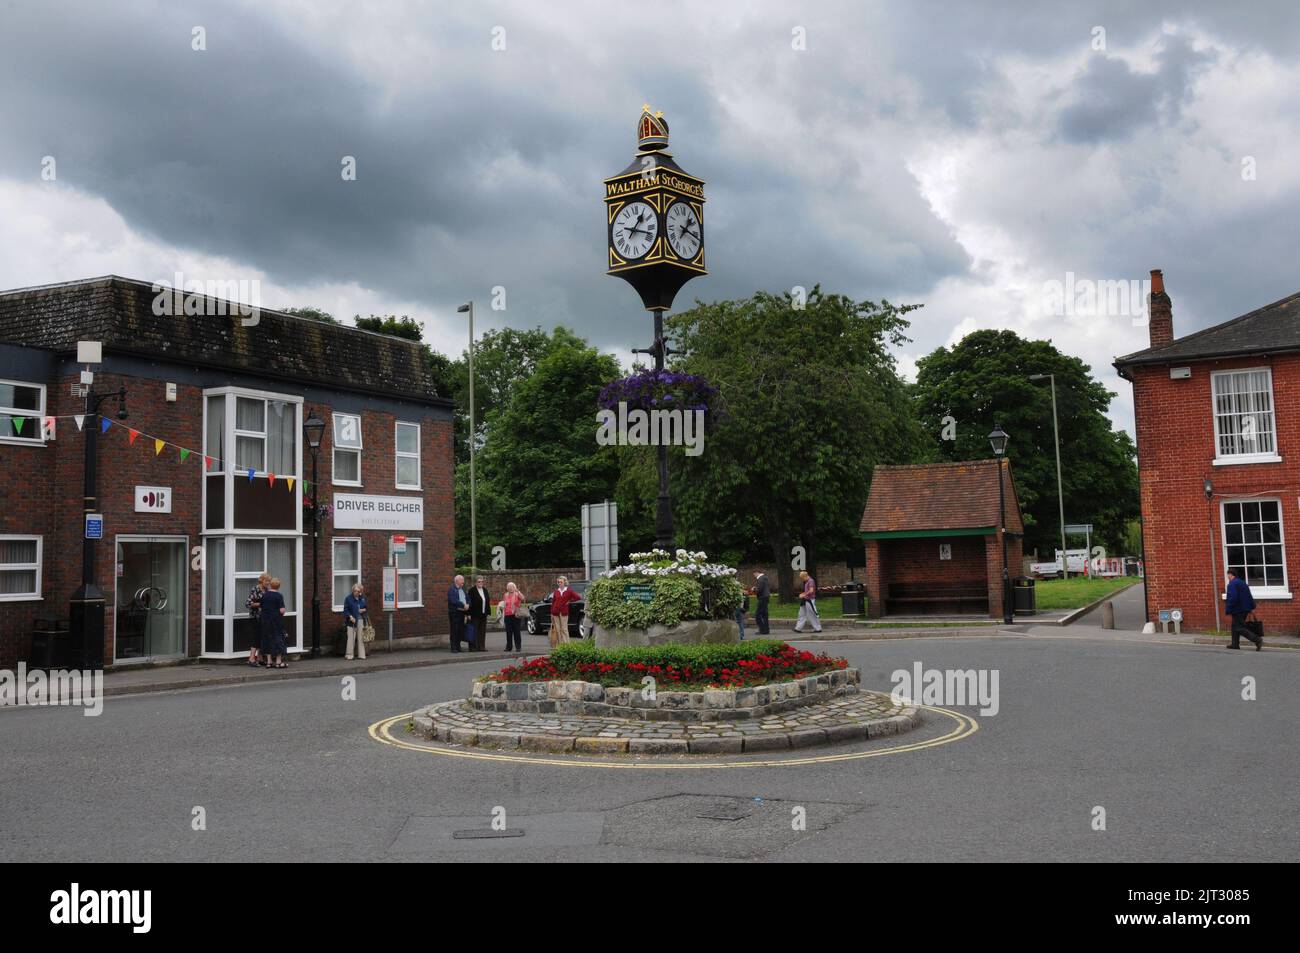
(478, 169)
(1111, 100)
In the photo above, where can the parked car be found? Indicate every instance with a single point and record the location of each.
(539, 613)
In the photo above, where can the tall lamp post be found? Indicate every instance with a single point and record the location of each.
(86, 609)
(1060, 494)
(1214, 563)
(468, 307)
(998, 440)
(313, 427)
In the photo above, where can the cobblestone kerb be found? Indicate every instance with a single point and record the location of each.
(853, 717)
(724, 704)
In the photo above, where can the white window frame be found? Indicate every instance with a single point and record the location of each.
(38, 423)
(233, 406)
(1259, 592)
(335, 572)
(417, 572)
(1237, 459)
(334, 440)
(399, 454)
(22, 567)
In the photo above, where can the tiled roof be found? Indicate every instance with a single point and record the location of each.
(120, 313)
(929, 496)
(1267, 330)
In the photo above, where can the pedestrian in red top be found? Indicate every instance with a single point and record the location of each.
(561, 599)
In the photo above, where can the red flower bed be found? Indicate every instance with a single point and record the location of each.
(783, 665)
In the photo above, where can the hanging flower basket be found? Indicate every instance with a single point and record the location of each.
(662, 390)
(312, 509)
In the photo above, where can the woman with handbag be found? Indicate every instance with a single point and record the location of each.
(357, 617)
(513, 612)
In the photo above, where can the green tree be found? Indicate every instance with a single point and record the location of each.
(315, 314)
(983, 380)
(540, 462)
(813, 402)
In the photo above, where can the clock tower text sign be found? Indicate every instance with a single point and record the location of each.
(358, 511)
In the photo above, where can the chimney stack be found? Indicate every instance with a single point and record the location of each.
(1160, 311)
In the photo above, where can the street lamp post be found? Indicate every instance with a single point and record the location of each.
(1214, 567)
(86, 609)
(468, 307)
(1060, 493)
(998, 439)
(314, 428)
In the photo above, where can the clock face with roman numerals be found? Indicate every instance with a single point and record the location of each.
(635, 227)
(683, 227)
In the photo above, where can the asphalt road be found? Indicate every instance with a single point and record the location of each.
(1157, 735)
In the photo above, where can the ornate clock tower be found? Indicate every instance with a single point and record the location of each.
(654, 219)
(654, 212)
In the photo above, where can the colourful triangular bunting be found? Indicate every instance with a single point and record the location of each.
(270, 479)
(18, 423)
(133, 435)
(207, 463)
(80, 419)
(104, 424)
(157, 446)
(289, 480)
(250, 474)
(184, 453)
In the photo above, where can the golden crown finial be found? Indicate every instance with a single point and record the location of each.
(659, 114)
(645, 107)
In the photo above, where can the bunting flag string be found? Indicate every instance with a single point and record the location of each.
(209, 462)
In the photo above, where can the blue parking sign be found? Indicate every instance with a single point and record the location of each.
(94, 526)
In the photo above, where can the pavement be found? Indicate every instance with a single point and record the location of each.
(1152, 735)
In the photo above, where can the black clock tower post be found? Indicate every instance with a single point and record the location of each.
(655, 236)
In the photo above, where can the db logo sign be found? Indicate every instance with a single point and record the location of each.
(153, 499)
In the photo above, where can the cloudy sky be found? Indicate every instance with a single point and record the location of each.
(964, 156)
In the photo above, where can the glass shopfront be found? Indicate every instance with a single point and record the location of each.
(149, 608)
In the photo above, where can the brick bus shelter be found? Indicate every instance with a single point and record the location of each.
(931, 537)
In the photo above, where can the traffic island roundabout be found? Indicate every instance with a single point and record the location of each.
(754, 703)
(783, 725)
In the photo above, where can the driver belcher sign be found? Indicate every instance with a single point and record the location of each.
(357, 511)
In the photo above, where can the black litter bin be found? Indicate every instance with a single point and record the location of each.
(851, 599)
(1024, 600)
(49, 645)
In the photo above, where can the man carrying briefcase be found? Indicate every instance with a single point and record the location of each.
(1240, 603)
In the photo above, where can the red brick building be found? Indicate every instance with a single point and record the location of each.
(1218, 441)
(209, 491)
(932, 541)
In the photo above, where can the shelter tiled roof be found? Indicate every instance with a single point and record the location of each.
(933, 496)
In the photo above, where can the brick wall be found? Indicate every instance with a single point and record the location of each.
(41, 491)
(1175, 437)
(976, 560)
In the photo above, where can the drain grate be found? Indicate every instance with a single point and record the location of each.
(484, 835)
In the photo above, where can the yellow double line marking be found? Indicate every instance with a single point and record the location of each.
(964, 727)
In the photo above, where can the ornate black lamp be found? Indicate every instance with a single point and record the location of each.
(314, 428)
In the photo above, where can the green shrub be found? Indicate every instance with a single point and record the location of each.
(697, 655)
(676, 598)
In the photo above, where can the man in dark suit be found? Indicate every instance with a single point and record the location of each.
(763, 593)
(1240, 603)
(457, 610)
(480, 604)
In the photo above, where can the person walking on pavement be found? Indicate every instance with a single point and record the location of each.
(561, 599)
(356, 614)
(763, 595)
(1239, 604)
(808, 604)
(457, 610)
(272, 619)
(740, 613)
(480, 604)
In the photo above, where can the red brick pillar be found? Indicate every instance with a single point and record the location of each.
(875, 591)
(993, 568)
